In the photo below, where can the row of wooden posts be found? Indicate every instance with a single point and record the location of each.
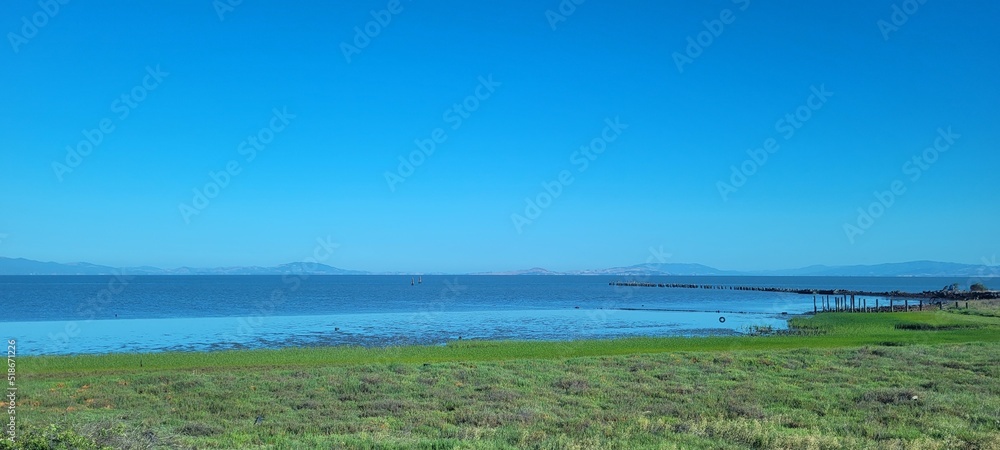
(823, 301)
(851, 304)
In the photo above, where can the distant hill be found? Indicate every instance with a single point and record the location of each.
(21, 266)
(658, 269)
(532, 271)
(904, 269)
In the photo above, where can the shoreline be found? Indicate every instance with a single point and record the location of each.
(825, 330)
(942, 295)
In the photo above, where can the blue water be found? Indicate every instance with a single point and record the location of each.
(100, 314)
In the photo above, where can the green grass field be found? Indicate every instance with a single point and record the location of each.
(919, 380)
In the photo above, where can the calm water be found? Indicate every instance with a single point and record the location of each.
(100, 314)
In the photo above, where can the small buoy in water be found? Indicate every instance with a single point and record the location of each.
(336, 329)
(576, 307)
(722, 320)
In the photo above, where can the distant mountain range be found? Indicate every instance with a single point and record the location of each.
(658, 269)
(904, 269)
(21, 266)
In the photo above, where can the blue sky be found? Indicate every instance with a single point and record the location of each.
(532, 89)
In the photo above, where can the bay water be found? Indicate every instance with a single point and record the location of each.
(106, 314)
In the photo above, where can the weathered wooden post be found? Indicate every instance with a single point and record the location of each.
(814, 304)
(906, 304)
(891, 308)
(921, 304)
(876, 305)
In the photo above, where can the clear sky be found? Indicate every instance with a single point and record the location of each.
(312, 116)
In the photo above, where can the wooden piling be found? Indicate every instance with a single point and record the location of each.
(814, 304)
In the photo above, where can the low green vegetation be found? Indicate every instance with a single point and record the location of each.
(918, 380)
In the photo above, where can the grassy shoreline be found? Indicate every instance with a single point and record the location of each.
(825, 330)
(889, 380)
